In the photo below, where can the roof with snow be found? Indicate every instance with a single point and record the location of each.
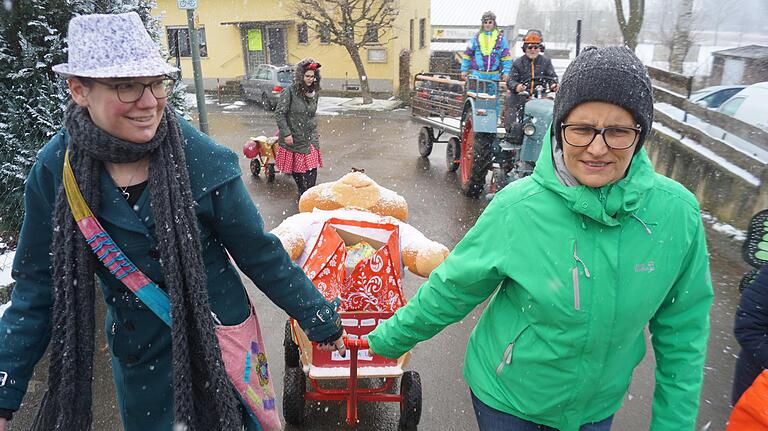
(757, 52)
(462, 13)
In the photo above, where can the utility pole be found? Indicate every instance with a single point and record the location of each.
(190, 6)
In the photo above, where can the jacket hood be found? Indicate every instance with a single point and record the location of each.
(606, 204)
(298, 75)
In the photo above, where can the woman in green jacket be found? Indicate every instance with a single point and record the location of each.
(173, 201)
(578, 259)
(299, 152)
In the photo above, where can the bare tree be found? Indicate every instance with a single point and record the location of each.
(630, 26)
(682, 38)
(351, 24)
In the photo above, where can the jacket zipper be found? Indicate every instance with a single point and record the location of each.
(506, 359)
(575, 276)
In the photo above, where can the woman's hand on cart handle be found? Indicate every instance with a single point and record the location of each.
(288, 140)
(337, 344)
(360, 343)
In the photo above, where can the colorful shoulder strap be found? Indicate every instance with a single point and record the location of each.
(110, 254)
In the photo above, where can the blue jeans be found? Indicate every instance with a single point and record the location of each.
(490, 419)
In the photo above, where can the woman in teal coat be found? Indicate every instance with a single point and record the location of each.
(578, 259)
(173, 201)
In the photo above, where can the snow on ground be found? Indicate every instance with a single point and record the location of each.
(191, 99)
(336, 105)
(6, 260)
(234, 105)
(724, 228)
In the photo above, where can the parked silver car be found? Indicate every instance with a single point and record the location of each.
(266, 82)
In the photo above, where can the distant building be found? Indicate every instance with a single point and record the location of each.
(743, 65)
(454, 22)
(236, 36)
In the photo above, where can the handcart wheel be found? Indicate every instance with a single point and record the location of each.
(453, 154)
(255, 166)
(410, 406)
(291, 348)
(270, 172)
(294, 387)
(425, 141)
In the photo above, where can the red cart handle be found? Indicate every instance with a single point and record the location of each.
(359, 343)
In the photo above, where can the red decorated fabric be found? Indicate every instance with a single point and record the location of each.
(375, 283)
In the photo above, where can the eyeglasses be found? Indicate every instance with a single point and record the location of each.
(130, 92)
(531, 46)
(616, 138)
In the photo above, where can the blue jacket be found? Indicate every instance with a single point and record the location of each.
(751, 329)
(496, 58)
(139, 341)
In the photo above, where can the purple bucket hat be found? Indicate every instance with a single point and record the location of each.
(111, 46)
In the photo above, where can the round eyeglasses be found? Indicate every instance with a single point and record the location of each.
(616, 137)
(132, 91)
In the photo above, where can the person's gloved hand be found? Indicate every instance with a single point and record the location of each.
(335, 342)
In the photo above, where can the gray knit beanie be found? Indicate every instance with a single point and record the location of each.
(612, 74)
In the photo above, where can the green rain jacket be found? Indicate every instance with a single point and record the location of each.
(295, 116)
(576, 274)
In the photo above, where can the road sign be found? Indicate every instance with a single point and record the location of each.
(186, 4)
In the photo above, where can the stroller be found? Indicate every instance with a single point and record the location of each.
(262, 152)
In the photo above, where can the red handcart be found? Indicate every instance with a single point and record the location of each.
(370, 294)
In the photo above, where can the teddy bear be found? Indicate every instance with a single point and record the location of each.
(355, 196)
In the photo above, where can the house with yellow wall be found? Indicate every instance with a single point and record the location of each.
(237, 35)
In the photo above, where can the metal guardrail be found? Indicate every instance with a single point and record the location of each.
(716, 146)
(745, 131)
(681, 84)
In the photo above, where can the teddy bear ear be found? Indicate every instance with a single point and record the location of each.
(354, 190)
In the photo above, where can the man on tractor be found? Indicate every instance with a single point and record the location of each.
(528, 71)
(487, 55)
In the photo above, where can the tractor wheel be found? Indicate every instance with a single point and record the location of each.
(453, 154)
(291, 349)
(473, 167)
(425, 141)
(294, 387)
(410, 406)
(270, 172)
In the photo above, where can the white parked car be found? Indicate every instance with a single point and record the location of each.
(750, 105)
(713, 97)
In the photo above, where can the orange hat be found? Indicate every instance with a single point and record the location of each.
(533, 36)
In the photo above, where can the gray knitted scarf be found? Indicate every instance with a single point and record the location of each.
(202, 394)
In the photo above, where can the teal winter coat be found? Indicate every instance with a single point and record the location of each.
(575, 275)
(139, 341)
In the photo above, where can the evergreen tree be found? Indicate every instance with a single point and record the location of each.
(32, 97)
